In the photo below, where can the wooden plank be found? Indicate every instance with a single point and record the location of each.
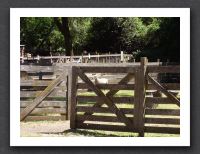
(105, 127)
(169, 86)
(164, 90)
(34, 83)
(140, 88)
(163, 69)
(170, 112)
(72, 92)
(101, 109)
(45, 99)
(59, 104)
(45, 118)
(109, 86)
(165, 130)
(110, 69)
(106, 100)
(35, 68)
(46, 73)
(47, 111)
(128, 100)
(40, 98)
(54, 93)
(103, 118)
(97, 118)
(159, 100)
(162, 121)
(61, 65)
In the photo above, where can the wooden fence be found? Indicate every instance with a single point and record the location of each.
(105, 58)
(36, 79)
(44, 96)
(105, 110)
(52, 102)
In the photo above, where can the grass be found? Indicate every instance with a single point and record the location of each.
(128, 93)
(98, 133)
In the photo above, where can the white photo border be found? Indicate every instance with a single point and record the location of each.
(16, 13)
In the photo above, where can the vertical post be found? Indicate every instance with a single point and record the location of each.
(67, 94)
(109, 57)
(38, 58)
(158, 60)
(40, 75)
(82, 60)
(122, 56)
(140, 91)
(98, 57)
(103, 60)
(72, 91)
(22, 59)
(51, 58)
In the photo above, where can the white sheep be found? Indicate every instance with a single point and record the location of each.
(100, 81)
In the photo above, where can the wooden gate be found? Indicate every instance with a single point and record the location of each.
(105, 110)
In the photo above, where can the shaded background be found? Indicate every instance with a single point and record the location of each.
(5, 64)
(151, 37)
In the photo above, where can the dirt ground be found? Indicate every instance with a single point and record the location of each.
(45, 129)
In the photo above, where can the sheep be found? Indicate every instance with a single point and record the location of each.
(100, 81)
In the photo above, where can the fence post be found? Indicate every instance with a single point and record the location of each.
(122, 56)
(38, 58)
(72, 90)
(98, 57)
(140, 90)
(109, 57)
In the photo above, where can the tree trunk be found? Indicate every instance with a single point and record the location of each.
(63, 26)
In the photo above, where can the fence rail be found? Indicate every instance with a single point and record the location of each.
(105, 109)
(106, 58)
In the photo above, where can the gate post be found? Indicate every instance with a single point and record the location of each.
(140, 91)
(72, 92)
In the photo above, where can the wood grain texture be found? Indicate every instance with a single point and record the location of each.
(164, 90)
(106, 100)
(39, 98)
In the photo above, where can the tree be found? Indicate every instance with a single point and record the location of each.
(63, 26)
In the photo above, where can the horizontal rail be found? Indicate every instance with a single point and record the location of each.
(129, 100)
(104, 127)
(54, 93)
(118, 69)
(164, 130)
(115, 119)
(44, 104)
(171, 112)
(48, 111)
(43, 118)
(163, 69)
(169, 86)
(159, 100)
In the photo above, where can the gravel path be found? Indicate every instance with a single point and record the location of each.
(45, 128)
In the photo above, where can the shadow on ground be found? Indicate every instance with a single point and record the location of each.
(82, 133)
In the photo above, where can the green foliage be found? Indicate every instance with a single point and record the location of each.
(33, 31)
(144, 36)
(79, 27)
